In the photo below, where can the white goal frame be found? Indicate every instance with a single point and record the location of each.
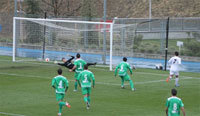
(68, 21)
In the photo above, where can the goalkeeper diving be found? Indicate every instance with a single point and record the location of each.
(68, 63)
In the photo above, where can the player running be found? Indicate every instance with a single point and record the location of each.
(123, 68)
(60, 84)
(175, 63)
(78, 67)
(86, 77)
(174, 104)
(68, 63)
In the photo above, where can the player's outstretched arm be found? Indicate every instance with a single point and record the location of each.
(73, 68)
(91, 64)
(72, 57)
(61, 64)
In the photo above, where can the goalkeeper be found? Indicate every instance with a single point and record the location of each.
(68, 63)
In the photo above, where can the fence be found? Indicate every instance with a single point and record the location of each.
(136, 37)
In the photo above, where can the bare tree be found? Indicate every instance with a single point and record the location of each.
(61, 7)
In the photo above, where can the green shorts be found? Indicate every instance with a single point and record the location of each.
(60, 96)
(86, 90)
(76, 75)
(126, 77)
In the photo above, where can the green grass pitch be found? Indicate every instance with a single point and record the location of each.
(25, 89)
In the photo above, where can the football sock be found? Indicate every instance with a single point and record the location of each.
(60, 106)
(122, 82)
(176, 81)
(131, 84)
(88, 98)
(85, 99)
(75, 85)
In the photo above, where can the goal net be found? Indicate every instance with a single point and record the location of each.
(36, 39)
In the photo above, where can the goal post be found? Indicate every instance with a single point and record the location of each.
(61, 37)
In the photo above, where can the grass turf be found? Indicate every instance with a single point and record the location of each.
(26, 89)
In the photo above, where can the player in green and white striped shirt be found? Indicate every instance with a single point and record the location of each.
(60, 84)
(174, 104)
(123, 68)
(86, 77)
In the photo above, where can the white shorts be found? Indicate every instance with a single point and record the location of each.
(174, 73)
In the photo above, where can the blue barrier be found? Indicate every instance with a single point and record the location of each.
(57, 55)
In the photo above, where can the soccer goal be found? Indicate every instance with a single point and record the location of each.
(36, 39)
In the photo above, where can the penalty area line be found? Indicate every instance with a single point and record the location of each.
(11, 114)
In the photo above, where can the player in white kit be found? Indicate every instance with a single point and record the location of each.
(174, 63)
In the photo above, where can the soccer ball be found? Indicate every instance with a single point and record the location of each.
(47, 59)
(55, 62)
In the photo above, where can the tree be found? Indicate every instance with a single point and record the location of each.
(32, 9)
(61, 7)
(33, 30)
(89, 12)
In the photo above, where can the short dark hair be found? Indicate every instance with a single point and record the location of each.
(174, 92)
(63, 58)
(59, 71)
(78, 55)
(86, 67)
(176, 53)
(124, 59)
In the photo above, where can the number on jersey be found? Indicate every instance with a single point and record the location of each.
(174, 61)
(174, 108)
(122, 68)
(80, 66)
(85, 79)
(60, 85)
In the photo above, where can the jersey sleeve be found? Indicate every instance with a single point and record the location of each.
(179, 61)
(181, 104)
(66, 83)
(75, 63)
(167, 103)
(93, 79)
(53, 82)
(170, 61)
(61, 64)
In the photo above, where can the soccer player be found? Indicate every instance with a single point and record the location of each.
(68, 64)
(86, 77)
(78, 67)
(60, 84)
(175, 63)
(174, 104)
(123, 68)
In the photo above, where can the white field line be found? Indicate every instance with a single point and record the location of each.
(100, 83)
(11, 114)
